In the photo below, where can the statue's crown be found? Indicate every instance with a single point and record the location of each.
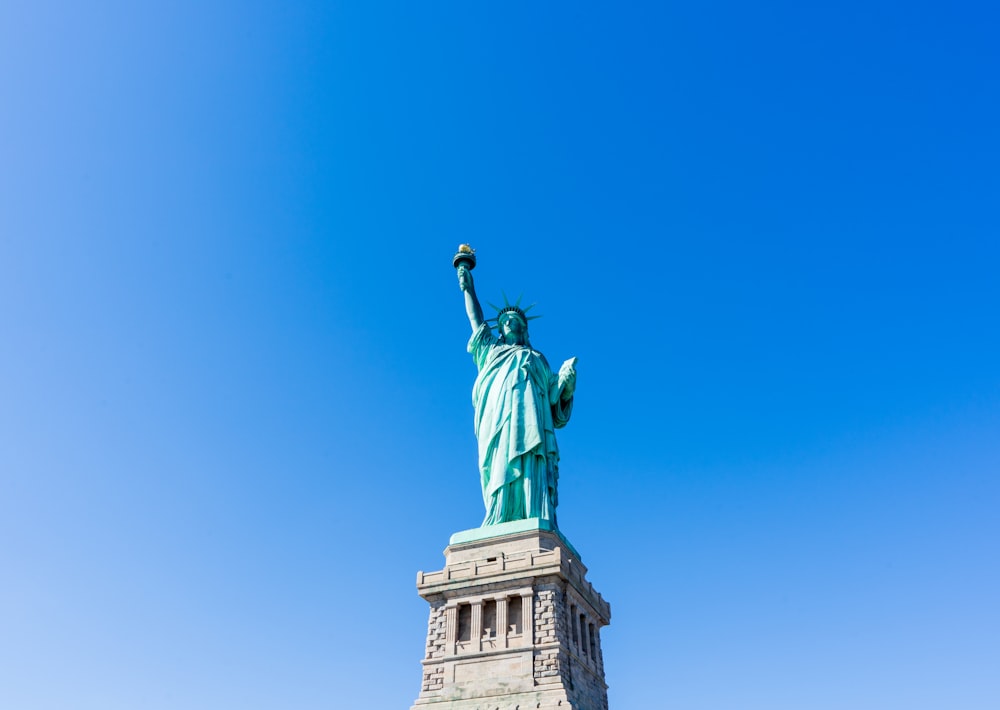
(522, 313)
(512, 309)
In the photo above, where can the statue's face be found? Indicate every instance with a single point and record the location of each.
(514, 330)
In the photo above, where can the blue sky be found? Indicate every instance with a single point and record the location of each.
(235, 413)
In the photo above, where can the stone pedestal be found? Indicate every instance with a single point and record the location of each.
(514, 624)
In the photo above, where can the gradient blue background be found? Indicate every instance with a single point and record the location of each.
(235, 411)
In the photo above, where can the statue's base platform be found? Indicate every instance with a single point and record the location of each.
(506, 529)
(513, 624)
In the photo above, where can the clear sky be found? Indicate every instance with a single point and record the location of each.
(235, 414)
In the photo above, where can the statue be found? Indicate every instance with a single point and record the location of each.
(519, 403)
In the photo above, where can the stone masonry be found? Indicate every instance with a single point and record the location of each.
(513, 625)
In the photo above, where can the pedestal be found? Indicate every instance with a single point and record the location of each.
(514, 624)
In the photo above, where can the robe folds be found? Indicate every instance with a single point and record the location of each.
(517, 410)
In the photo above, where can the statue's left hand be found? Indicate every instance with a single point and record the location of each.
(567, 378)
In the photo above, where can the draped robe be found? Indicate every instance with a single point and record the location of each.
(518, 409)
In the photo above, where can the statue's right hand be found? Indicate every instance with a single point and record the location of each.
(464, 278)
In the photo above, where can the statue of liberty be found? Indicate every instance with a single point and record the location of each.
(519, 403)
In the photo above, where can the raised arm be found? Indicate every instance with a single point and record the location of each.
(472, 307)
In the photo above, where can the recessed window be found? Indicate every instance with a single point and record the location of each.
(464, 622)
(489, 619)
(515, 621)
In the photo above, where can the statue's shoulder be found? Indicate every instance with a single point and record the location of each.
(538, 354)
(482, 339)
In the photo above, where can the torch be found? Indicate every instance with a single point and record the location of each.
(466, 256)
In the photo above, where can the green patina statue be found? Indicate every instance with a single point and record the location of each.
(519, 404)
